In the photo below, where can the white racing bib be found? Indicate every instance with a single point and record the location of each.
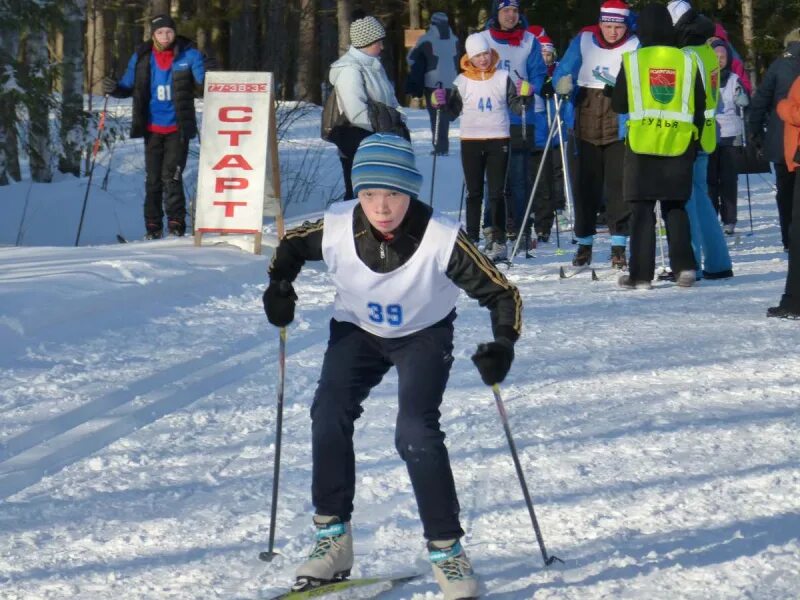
(414, 296)
(601, 65)
(484, 114)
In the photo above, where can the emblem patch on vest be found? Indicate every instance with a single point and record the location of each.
(662, 85)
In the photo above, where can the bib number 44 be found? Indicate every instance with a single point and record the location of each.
(391, 314)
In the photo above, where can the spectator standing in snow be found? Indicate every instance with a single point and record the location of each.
(360, 83)
(775, 87)
(723, 176)
(593, 59)
(508, 34)
(659, 79)
(483, 96)
(398, 268)
(161, 76)
(708, 242)
(788, 110)
(433, 63)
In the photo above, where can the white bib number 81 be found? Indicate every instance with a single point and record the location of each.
(164, 92)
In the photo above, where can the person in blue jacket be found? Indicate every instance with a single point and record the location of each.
(161, 76)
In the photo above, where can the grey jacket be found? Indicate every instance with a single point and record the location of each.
(355, 77)
(775, 87)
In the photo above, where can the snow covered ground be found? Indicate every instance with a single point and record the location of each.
(658, 430)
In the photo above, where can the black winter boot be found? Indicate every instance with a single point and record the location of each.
(583, 256)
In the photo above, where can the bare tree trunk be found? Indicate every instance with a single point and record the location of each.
(159, 7)
(9, 151)
(220, 33)
(276, 44)
(243, 37)
(308, 54)
(344, 8)
(202, 35)
(747, 34)
(96, 47)
(36, 62)
(72, 121)
(413, 14)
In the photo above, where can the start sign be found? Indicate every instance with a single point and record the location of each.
(238, 173)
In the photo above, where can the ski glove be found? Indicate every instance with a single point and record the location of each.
(564, 85)
(109, 85)
(438, 98)
(279, 301)
(741, 99)
(547, 89)
(524, 88)
(494, 360)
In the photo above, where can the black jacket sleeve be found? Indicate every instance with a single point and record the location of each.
(763, 102)
(619, 93)
(699, 102)
(471, 271)
(297, 246)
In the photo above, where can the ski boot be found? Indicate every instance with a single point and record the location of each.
(176, 228)
(452, 570)
(779, 312)
(496, 251)
(331, 558)
(488, 237)
(618, 260)
(154, 231)
(627, 282)
(583, 256)
(686, 278)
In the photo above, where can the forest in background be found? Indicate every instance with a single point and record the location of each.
(54, 52)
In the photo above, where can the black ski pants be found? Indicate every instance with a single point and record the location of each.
(354, 363)
(550, 193)
(785, 182)
(791, 294)
(600, 176)
(164, 159)
(722, 178)
(643, 238)
(489, 158)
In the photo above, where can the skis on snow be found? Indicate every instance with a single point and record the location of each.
(570, 272)
(384, 584)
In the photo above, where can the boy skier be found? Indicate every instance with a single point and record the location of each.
(397, 266)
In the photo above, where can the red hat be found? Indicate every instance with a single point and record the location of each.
(547, 44)
(614, 11)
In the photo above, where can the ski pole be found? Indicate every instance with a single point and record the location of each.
(100, 127)
(270, 553)
(548, 560)
(535, 186)
(568, 197)
(747, 175)
(659, 222)
(435, 143)
(461, 202)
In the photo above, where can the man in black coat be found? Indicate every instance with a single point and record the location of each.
(775, 87)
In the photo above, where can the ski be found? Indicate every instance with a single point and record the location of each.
(385, 584)
(570, 272)
(121, 239)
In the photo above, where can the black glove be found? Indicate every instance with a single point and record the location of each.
(109, 85)
(494, 360)
(756, 139)
(279, 300)
(547, 89)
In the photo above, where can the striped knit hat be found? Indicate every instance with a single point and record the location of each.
(614, 11)
(547, 44)
(386, 160)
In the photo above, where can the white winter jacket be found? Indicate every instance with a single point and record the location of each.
(355, 77)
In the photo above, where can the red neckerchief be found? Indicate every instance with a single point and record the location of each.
(513, 37)
(164, 58)
(601, 41)
(551, 69)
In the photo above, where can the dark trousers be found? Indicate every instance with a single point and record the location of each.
(643, 238)
(600, 175)
(347, 143)
(354, 363)
(489, 157)
(164, 160)
(442, 145)
(722, 179)
(550, 193)
(785, 182)
(791, 295)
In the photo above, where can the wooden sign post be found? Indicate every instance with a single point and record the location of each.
(238, 172)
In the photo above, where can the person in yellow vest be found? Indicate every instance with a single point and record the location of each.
(661, 89)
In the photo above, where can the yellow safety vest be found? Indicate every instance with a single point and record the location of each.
(660, 100)
(710, 74)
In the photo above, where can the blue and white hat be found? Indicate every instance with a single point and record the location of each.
(501, 4)
(386, 160)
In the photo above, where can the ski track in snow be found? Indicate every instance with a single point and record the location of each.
(657, 430)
